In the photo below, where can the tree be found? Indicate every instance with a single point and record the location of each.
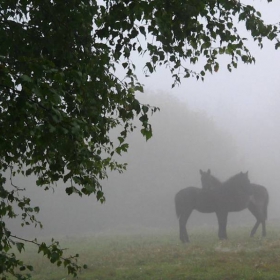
(60, 94)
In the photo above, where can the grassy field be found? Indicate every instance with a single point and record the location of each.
(159, 255)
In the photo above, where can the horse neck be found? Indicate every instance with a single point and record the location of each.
(215, 182)
(233, 182)
(211, 182)
(229, 183)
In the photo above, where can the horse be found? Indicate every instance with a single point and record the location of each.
(234, 195)
(257, 205)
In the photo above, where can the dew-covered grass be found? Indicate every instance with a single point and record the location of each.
(158, 254)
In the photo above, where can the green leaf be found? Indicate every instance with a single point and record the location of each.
(20, 246)
(150, 67)
(69, 190)
(216, 67)
(100, 195)
(28, 172)
(26, 78)
(121, 139)
(145, 109)
(125, 64)
(142, 30)
(54, 257)
(208, 67)
(89, 188)
(30, 267)
(147, 133)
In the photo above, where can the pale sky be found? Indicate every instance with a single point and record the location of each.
(248, 86)
(245, 102)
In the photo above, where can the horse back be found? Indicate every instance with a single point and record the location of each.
(260, 192)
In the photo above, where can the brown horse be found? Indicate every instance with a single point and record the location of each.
(258, 201)
(234, 195)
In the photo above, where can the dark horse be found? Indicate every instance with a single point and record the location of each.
(257, 205)
(234, 195)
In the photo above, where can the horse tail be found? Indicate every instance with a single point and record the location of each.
(266, 204)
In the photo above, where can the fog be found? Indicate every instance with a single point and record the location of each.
(228, 123)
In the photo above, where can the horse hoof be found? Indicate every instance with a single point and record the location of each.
(223, 238)
(185, 241)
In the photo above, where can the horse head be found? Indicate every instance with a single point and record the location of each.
(208, 181)
(239, 182)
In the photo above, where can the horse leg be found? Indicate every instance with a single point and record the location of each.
(258, 222)
(222, 221)
(253, 209)
(263, 229)
(263, 219)
(182, 225)
(255, 228)
(260, 215)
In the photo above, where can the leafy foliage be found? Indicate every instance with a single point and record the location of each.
(60, 96)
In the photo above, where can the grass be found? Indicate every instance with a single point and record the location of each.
(160, 255)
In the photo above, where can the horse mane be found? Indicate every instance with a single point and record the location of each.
(232, 181)
(209, 181)
(215, 180)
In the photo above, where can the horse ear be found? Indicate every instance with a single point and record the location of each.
(200, 171)
(245, 173)
(209, 171)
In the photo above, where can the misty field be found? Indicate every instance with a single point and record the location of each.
(157, 254)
